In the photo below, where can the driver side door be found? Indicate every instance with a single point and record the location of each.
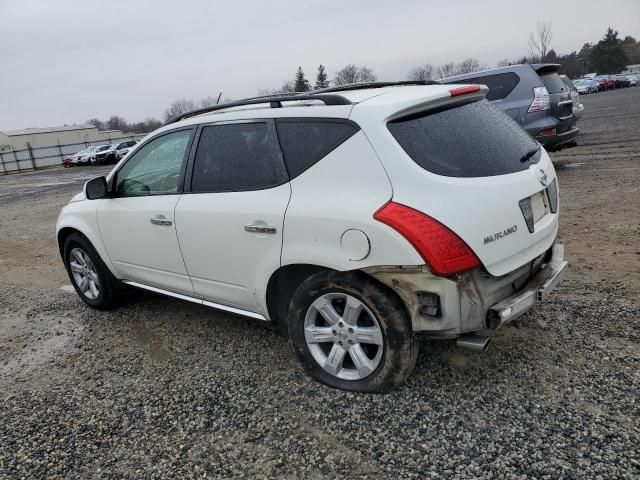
(137, 221)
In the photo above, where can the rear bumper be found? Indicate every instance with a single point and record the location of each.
(535, 291)
(554, 141)
(474, 300)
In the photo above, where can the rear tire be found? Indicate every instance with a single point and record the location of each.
(90, 277)
(351, 332)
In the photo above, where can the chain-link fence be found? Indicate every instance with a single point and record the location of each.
(32, 158)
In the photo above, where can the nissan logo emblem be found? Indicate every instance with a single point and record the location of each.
(542, 177)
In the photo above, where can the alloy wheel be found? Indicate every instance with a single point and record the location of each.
(343, 336)
(84, 273)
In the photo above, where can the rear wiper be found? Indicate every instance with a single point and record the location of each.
(528, 155)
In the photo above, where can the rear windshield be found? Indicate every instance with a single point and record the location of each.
(472, 140)
(570, 85)
(553, 82)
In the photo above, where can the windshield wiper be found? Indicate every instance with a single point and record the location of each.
(528, 155)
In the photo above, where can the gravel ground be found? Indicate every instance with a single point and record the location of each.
(164, 389)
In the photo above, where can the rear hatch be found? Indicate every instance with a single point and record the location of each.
(473, 169)
(560, 99)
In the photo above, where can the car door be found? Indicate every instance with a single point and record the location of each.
(137, 221)
(230, 218)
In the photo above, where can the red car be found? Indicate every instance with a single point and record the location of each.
(605, 82)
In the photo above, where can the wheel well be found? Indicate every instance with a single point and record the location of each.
(284, 282)
(63, 234)
(281, 287)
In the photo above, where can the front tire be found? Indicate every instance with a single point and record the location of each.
(351, 332)
(90, 277)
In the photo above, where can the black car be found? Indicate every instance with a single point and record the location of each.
(622, 81)
(533, 95)
(114, 153)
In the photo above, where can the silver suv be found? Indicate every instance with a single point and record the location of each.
(535, 96)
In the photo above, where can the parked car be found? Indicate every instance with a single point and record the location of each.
(114, 153)
(353, 219)
(622, 81)
(633, 80)
(83, 157)
(533, 95)
(124, 148)
(605, 82)
(575, 97)
(585, 85)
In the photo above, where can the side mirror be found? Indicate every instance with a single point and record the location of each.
(96, 188)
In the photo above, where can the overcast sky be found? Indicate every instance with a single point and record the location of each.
(67, 61)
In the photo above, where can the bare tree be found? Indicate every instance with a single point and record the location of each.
(421, 73)
(505, 62)
(287, 87)
(150, 124)
(354, 74)
(540, 41)
(96, 122)
(210, 101)
(469, 65)
(119, 123)
(447, 70)
(116, 123)
(179, 106)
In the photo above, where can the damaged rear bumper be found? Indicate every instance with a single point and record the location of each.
(535, 291)
(474, 300)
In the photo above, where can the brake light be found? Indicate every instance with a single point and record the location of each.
(456, 92)
(547, 132)
(541, 100)
(444, 252)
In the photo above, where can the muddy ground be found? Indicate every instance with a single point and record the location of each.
(159, 388)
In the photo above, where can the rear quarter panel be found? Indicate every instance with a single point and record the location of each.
(341, 192)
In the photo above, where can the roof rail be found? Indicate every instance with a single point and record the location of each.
(275, 101)
(364, 85)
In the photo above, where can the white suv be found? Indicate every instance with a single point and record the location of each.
(354, 219)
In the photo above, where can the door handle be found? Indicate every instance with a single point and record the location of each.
(160, 220)
(260, 229)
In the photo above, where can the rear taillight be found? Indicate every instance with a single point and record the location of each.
(444, 252)
(547, 132)
(541, 100)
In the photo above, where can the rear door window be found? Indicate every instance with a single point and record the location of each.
(304, 142)
(500, 84)
(553, 83)
(237, 157)
(472, 140)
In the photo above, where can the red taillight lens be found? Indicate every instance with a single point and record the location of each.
(442, 249)
(547, 132)
(456, 92)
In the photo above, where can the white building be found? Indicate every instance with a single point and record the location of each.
(53, 136)
(632, 69)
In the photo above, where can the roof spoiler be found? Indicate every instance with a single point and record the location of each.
(545, 67)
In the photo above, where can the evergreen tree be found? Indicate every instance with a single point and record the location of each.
(321, 78)
(301, 84)
(608, 55)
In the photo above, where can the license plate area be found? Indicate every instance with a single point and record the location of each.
(539, 206)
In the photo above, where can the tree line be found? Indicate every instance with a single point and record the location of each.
(610, 55)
